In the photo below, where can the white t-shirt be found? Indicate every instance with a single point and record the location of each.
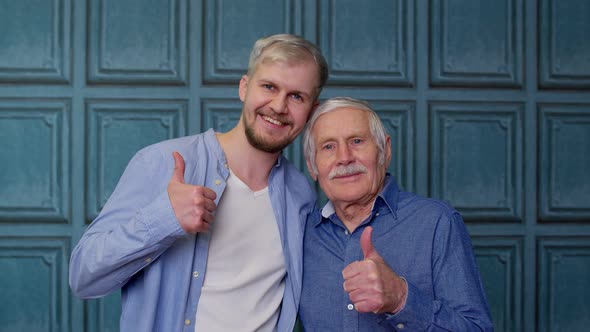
(244, 280)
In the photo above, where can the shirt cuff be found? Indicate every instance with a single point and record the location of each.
(160, 220)
(414, 315)
(403, 304)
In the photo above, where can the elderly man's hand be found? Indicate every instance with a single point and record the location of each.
(372, 285)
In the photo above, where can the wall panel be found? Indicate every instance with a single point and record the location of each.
(35, 160)
(477, 158)
(564, 57)
(564, 136)
(563, 288)
(137, 42)
(477, 43)
(117, 130)
(35, 42)
(33, 284)
(368, 43)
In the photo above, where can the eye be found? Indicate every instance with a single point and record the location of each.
(357, 141)
(297, 97)
(328, 147)
(267, 86)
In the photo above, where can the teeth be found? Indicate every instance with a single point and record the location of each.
(271, 120)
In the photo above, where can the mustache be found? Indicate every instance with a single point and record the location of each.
(347, 170)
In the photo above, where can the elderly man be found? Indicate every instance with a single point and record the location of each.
(377, 258)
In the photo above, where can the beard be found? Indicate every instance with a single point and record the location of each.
(262, 144)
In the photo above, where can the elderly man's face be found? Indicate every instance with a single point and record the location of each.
(347, 156)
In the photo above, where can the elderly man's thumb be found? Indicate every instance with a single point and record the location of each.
(369, 251)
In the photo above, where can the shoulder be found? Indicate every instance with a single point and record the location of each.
(425, 208)
(184, 145)
(432, 218)
(156, 160)
(191, 148)
(296, 182)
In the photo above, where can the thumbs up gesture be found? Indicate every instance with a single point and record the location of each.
(371, 284)
(192, 205)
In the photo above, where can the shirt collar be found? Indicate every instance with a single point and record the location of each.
(279, 160)
(387, 198)
(213, 143)
(328, 210)
(389, 195)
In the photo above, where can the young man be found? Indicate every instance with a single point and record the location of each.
(377, 258)
(205, 232)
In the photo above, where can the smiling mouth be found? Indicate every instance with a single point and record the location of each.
(344, 176)
(273, 121)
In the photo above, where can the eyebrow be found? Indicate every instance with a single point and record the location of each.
(302, 93)
(299, 92)
(355, 134)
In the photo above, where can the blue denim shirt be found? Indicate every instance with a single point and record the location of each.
(137, 244)
(422, 240)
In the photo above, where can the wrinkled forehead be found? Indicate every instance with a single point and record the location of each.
(341, 122)
(354, 117)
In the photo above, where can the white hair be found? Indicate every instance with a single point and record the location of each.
(377, 129)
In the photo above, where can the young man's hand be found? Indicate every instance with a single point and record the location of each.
(192, 205)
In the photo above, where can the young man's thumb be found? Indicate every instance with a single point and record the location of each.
(178, 173)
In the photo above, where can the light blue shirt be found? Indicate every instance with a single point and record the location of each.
(137, 244)
(423, 240)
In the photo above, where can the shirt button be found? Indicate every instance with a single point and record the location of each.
(350, 306)
(346, 232)
(225, 165)
(217, 182)
(149, 259)
(195, 274)
(377, 214)
(187, 322)
(400, 326)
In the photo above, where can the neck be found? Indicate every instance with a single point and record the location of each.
(353, 214)
(251, 165)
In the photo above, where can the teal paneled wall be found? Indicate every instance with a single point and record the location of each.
(487, 103)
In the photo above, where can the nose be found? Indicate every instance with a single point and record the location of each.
(344, 155)
(279, 104)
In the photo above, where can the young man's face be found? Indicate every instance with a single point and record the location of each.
(347, 156)
(278, 99)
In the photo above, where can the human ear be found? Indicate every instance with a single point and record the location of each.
(243, 87)
(387, 151)
(314, 176)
